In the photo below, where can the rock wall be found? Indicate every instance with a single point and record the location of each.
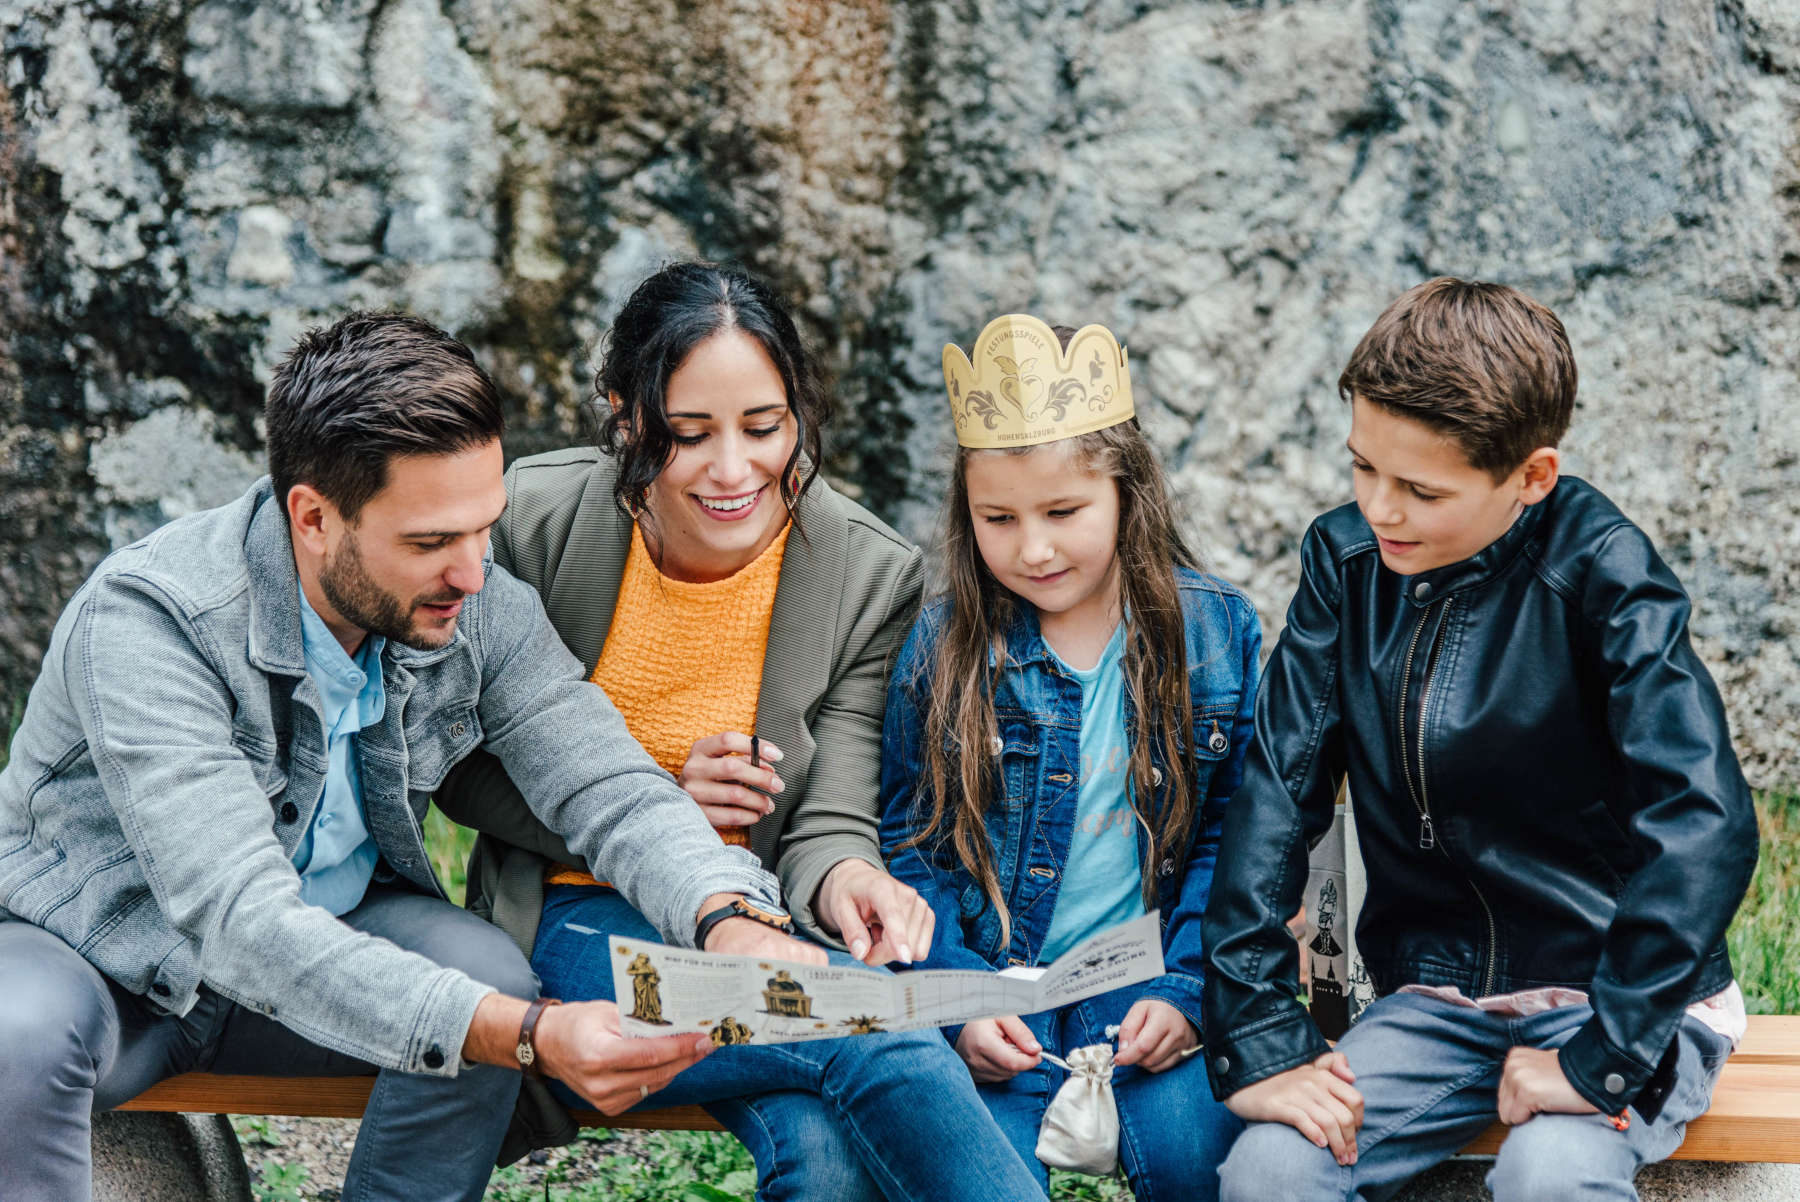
(1235, 188)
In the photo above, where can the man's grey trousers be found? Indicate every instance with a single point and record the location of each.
(72, 1042)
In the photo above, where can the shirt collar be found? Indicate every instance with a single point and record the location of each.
(341, 679)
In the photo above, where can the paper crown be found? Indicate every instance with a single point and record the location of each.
(1023, 388)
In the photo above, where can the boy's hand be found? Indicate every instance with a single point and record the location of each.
(1532, 1082)
(1319, 1100)
(998, 1049)
(1154, 1035)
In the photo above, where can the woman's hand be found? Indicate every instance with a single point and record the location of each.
(731, 791)
(1154, 1036)
(879, 918)
(998, 1049)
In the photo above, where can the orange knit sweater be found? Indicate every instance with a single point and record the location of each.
(683, 661)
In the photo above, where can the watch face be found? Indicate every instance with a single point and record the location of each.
(762, 911)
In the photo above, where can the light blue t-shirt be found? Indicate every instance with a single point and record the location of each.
(1102, 883)
(336, 858)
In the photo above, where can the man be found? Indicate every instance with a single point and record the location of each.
(210, 848)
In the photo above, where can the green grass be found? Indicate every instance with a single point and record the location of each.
(1765, 937)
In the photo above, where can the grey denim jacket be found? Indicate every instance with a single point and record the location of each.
(172, 756)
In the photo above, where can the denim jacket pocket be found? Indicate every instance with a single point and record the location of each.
(434, 748)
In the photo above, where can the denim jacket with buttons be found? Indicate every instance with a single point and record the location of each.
(1038, 747)
(172, 756)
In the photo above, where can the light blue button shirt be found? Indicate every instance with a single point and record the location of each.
(337, 856)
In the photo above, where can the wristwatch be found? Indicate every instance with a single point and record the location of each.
(767, 913)
(526, 1052)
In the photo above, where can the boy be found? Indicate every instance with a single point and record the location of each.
(1554, 824)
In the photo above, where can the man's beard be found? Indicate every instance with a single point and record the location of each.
(358, 599)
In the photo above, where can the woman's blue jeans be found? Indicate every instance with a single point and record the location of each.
(1172, 1134)
(830, 1120)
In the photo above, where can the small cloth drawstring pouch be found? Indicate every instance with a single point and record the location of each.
(1081, 1125)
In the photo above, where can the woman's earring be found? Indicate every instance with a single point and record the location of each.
(635, 508)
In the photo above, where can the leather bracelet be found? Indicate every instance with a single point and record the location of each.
(526, 1052)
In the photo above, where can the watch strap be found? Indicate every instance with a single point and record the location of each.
(739, 908)
(527, 1049)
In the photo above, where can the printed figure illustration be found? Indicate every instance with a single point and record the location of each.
(730, 1031)
(863, 1024)
(786, 997)
(646, 999)
(1329, 1007)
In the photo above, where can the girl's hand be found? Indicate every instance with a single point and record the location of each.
(866, 906)
(1154, 1035)
(997, 1049)
(719, 776)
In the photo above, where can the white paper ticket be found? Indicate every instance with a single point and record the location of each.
(748, 999)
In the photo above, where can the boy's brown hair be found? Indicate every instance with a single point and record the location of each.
(1483, 364)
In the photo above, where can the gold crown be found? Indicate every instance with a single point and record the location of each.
(1023, 388)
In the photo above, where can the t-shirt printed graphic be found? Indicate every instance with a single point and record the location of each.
(1102, 882)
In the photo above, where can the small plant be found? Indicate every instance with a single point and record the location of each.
(277, 1182)
(254, 1129)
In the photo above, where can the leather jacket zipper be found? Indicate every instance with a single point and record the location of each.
(1420, 794)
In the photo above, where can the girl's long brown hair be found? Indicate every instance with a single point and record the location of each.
(959, 712)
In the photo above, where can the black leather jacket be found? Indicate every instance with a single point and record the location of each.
(1544, 786)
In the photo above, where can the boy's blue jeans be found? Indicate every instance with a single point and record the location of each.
(1172, 1134)
(831, 1120)
(1429, 1073)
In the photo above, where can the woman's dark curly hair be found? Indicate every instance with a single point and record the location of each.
(666, 317)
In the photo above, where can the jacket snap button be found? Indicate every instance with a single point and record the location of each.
(1614, 1083)
(995, 744)
(1221, 1065)
(1167, 868)
(434, 1058)
(1422, 590)
(1218, 742)
(458, 730)
(1155, 775)
(290, 812)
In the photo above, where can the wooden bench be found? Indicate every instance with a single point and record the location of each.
(1755, 1114)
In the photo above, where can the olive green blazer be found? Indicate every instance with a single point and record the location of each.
(844, 602)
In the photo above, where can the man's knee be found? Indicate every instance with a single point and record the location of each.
(1274, 1162)
(57, 1022)
(1564, 1156)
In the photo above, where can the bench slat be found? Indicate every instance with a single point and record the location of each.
(347, 1097)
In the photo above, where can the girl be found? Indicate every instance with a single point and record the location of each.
(1063, 729)
(741, 615)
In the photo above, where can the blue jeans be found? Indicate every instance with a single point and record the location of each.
(831, 1120)
(1172, 1134)
(1429, 1073)
(73, 1042)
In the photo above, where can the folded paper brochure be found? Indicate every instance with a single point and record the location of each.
(748, 999)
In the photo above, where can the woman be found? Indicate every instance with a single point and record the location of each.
(741, 614)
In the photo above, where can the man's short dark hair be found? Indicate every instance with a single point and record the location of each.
(350, 396)
(1483, 364)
